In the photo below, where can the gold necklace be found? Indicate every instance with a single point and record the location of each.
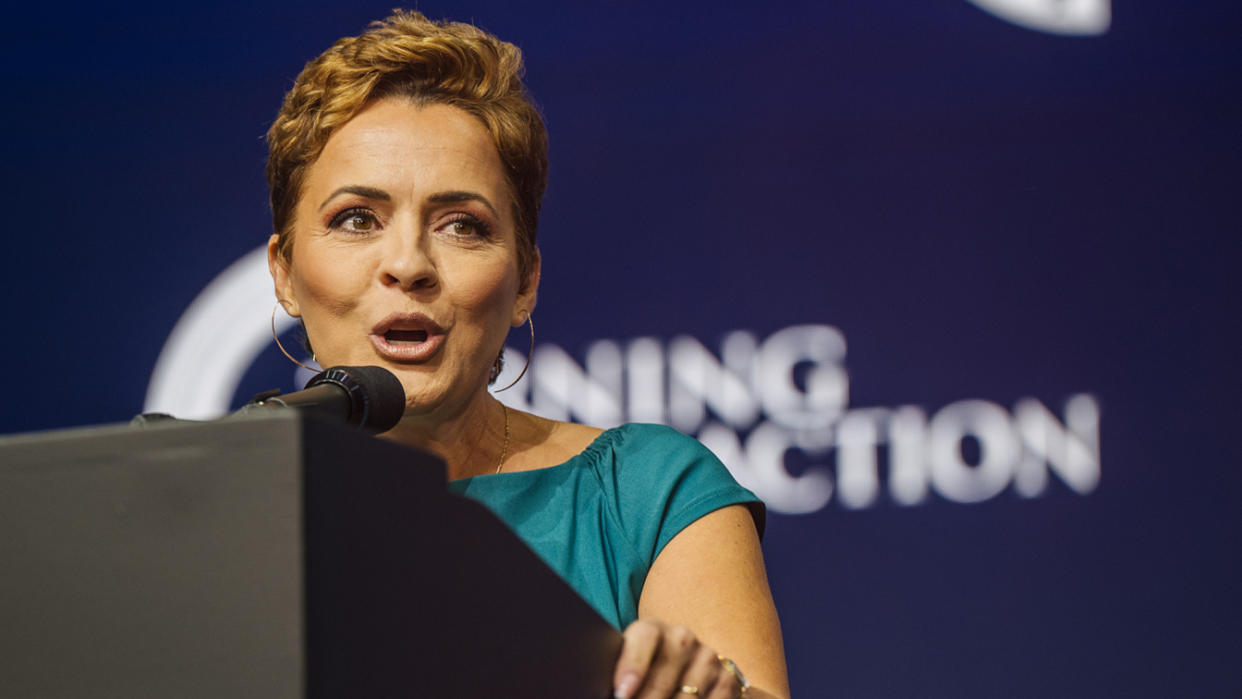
(504, 449)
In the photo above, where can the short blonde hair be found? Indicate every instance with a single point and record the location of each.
(407, 55)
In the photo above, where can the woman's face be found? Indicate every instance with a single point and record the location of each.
(404, 253)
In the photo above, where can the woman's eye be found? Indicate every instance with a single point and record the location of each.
(467, 227)
(354, 221)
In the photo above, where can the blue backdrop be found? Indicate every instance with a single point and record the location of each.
(949, 283)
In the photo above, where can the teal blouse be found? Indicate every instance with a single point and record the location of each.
(601, 518)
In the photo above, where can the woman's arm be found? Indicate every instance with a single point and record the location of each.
(706, 593)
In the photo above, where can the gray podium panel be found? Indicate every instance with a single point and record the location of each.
(270, 556)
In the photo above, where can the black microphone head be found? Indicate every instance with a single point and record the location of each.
(377, 399)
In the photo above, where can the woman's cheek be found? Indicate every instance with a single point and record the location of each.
(492, 289)
(333, 286)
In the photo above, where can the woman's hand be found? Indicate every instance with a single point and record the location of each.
(659, 661)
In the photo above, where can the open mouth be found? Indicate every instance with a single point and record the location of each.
(405, 337)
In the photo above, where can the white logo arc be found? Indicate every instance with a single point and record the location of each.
(1067, 17)
(215, 342)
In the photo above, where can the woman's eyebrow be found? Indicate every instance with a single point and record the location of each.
(360, 190)
(459, 196)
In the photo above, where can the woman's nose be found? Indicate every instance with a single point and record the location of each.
(407, 262)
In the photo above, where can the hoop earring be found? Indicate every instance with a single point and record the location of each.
(530, 352)
(282, 347)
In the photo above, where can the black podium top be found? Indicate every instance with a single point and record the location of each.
(271, 556)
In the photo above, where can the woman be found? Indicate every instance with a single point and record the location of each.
(406, 171)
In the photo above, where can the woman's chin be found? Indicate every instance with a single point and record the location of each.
(424, 400)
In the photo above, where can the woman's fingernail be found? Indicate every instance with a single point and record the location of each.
(626, 687)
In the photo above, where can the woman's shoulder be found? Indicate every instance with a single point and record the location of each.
(566, 440)
(660, 480)
(645, 458)
(658, 441)
(554, 442)
(540, 443)
(654, 476)
(631, 452)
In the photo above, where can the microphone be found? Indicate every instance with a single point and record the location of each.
(368, 397)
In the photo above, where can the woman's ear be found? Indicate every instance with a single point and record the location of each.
(279, 267)
(528, 294)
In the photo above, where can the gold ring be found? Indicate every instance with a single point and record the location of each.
(743, 685)
(689, 689)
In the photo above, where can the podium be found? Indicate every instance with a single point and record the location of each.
(272, 556)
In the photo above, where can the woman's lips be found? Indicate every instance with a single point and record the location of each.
(407, 337)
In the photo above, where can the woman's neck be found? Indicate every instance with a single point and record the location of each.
(470, 443)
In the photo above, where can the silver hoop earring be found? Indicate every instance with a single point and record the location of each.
(282, 347)
(530, 352)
